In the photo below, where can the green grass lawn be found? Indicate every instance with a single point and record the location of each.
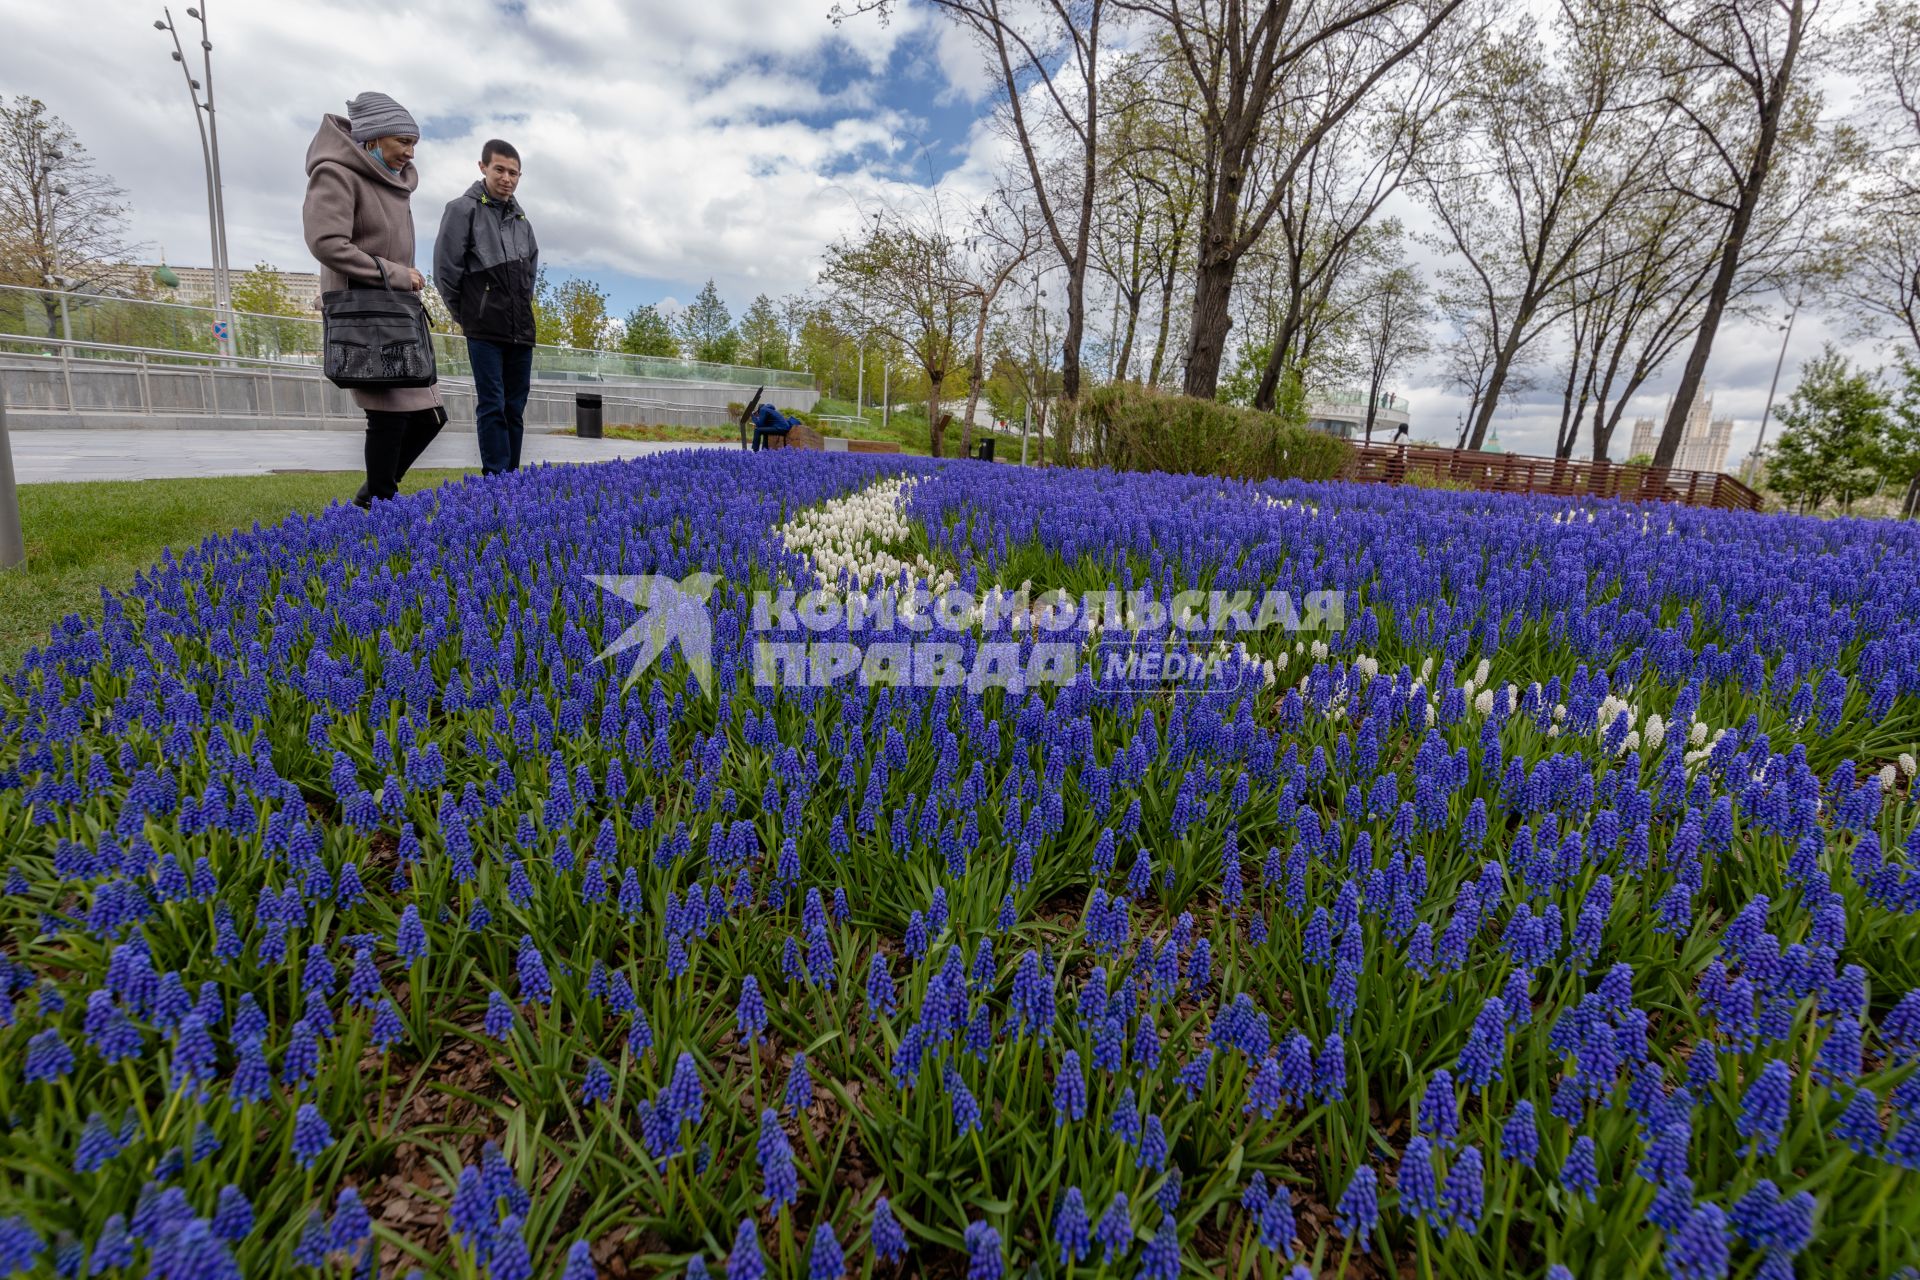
(82, 537)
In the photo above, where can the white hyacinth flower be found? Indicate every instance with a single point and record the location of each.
(1906, 763)
(1483, 702)
(1697, 734)
(1480, 672)
(1656, 732)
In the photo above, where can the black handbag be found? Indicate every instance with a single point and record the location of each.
(376, 339)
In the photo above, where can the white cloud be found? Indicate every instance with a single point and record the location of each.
(665, 140)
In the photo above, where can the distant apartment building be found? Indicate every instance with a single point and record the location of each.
(1703, 444)
(195, 288)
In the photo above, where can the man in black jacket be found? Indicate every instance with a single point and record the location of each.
(485, 262)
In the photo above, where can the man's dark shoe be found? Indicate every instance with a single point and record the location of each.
(363, 498)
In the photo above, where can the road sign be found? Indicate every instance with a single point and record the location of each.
(220, 330)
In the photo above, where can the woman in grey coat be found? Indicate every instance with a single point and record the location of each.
(359, 225)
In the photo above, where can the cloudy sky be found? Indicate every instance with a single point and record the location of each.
(665, 141)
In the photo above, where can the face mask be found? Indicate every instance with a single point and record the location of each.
(374, 151)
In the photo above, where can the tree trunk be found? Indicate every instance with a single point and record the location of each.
(1124, 365)
(1374, 379)
(1283, 342)
(1737, 227)
(1076, 328)
(1207, 343)
(974, 376)
(1502, 365)
(1166, 323)
(934, 425)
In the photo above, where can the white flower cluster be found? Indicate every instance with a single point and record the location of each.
(846, 536)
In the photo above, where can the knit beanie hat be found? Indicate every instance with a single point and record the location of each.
(375, 115)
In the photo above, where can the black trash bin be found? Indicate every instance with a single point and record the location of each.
(586, 415)
(986, 450)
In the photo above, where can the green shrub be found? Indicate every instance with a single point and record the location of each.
(1133, 428)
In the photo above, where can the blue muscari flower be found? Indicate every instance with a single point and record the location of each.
(1698, 1251)
(532, 968)
(48, 1058)
(983, 1252)
(966, 1111)
(825, 1261)
(509, 1259)
(1161, 1261)
(311, 1136)
(881, 998)
(113, 1249)
(350, 1226)
(779, 1182)
(799, 1093)
(1069, 1090)
(1115, 1230)
(745, 1262)
(232, 1215)
(1859, 1124)
(750, 1015)
(193, 1056)
(472, 1214)
(1070, 1229)
(1839, 1059)
(580, 1263)
(1672, 1202)
(1253, 1197)
(1126, 1119)
(500, 1016)
(363, 984)
(1579, 1174)
(888, 1238)
(1464, 1195)
(411, 937)
(1330, 1070)
(1277, 1227)
(1358, 1212)
(1108, 1044)
(1419, 1192)
(98, 1145)
(252, 1081)
(1764, 1110)
(597, 1087)
(1519, 1139)
(1265, 1092)
(1153, 1144)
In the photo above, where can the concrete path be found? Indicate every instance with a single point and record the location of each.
(98, 454)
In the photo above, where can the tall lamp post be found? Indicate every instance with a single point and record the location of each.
(210, 158)
(1753, 460)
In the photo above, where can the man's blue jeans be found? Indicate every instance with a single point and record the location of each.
(501, 374)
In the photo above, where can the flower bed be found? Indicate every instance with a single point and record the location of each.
(1555, 912)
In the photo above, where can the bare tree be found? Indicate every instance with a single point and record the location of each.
(1246, 59)
(60, 220)
(1321, 223)
(1736, 77)
(902, 277)
(1547, 155)
(1884, 275)
(1046, 57)
(1393, 329)
(1003, 236)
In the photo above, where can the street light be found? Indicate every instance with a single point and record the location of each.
(210, 158)
(1753, 460)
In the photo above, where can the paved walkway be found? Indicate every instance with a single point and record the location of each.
(96, 454)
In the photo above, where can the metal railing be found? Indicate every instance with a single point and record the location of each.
(108, 322)
(109, 380)
(1557, 477)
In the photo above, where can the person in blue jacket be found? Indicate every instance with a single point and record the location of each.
(769, 421)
